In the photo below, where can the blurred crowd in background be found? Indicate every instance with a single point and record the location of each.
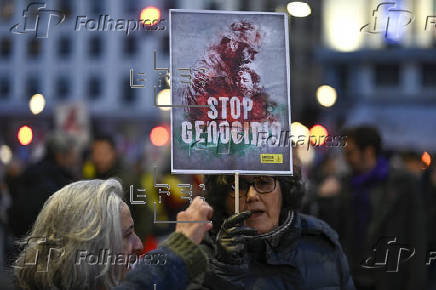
(364, 192)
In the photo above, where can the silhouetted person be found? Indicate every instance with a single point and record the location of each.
(41, 179)
(374, 202)
(107, 163)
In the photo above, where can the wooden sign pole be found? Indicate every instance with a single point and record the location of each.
(236, 192)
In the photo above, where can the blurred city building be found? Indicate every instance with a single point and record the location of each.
(75, 64)
(381, 58)
(80, 65)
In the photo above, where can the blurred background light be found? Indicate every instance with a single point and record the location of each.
(319, 133)
(5, 154)
(25, 135)
(326, 95)
(298, 9)
(159, 136)
(164, 98)
(342, 22)
(37, 104)
(298, 129)
(150, 13)
(426, 159)
(306, 154)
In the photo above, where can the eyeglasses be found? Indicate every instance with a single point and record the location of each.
(262, 184)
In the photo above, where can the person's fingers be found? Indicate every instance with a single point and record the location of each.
(200, 209)
(208, 226)
(235, 248)
(180, 215)
(234, 241)
(236, 219)
(242, 231)
(195, 206)
(207, 211)
(198, 202)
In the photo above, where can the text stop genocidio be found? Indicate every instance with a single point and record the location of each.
(226, 109)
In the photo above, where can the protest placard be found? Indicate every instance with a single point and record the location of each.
(235, 65)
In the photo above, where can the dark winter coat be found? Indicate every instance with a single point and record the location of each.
(395, 210)
(184, 261)
(302, 253)
(34, 187)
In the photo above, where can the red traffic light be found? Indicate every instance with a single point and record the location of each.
(320, 133)
(25, 135)
(159, 136)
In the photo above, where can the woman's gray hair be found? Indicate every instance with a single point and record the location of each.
(81, 217)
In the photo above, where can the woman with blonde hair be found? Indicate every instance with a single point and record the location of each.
(84, 238)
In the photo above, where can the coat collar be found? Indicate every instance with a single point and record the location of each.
(277, 246)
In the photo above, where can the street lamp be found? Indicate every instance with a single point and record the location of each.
(37, 104)
(298, 9)
(326, 96)
(5, 154)
(164, 98)
(150, 13)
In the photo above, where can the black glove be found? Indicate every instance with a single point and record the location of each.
(231, 239)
